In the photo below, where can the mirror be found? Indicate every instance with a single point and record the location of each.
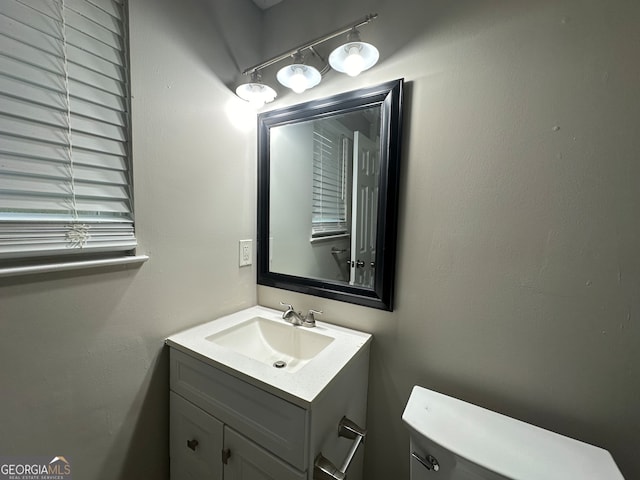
(327, 196)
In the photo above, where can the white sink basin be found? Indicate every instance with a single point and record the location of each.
(248, 343)
(277, 344)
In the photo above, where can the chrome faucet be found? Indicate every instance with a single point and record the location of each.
(296, 318)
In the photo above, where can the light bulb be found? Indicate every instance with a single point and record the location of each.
(254, 96)
(353, 63)
(257, 94)
(299, 77)
(298, 82)
(354, 57)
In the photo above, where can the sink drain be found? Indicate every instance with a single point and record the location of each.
(279, 364)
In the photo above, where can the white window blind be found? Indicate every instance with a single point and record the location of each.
(65, 175)
(330, 190)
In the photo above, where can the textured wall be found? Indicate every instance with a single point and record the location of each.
(517, 270)
(518, 265)
(83, 370)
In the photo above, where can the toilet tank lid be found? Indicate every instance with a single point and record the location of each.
(502, 444)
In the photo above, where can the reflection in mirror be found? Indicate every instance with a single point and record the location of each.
(327, 196)
(323, 225)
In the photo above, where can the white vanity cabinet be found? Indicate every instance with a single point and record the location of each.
(236, 413)
(201, 446)
(224, 427)
(195, 443)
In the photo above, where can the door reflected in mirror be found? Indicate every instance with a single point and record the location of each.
(323, 224)
(327, 196)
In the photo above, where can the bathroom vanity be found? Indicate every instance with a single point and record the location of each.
(254, 397)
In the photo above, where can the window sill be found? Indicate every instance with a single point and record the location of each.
(64, 266)
(327, 238)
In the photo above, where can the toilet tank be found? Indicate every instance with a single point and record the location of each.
(455, 440)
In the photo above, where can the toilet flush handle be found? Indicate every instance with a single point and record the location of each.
(430, 463)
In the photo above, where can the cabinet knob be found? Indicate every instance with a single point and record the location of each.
(192, 444)
(226, 454)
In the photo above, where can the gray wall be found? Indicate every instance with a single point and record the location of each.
(517, 270)
(518, 265)
(83, 370)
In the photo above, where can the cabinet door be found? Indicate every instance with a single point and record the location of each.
(268, 420)
(195, 442)
(248, 461)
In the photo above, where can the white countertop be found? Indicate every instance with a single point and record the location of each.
(300, 387)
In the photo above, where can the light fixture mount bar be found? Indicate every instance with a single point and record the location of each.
(346, 28)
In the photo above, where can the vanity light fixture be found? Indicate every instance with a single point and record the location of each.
(351, 58)
(255, 92)
(355, 56)
(298, 76)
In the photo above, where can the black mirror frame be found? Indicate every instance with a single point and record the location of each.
(389, 96)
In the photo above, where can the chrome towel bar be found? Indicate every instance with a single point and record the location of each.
(324, 469)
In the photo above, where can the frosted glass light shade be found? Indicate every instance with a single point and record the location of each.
(256, 94)
(353, 58)
(299, 77)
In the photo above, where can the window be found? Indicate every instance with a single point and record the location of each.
(65, 173)
(331, 190)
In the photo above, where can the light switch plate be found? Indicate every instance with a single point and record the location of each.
(245, 253)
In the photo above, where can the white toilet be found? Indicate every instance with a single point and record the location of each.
(455, 440)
